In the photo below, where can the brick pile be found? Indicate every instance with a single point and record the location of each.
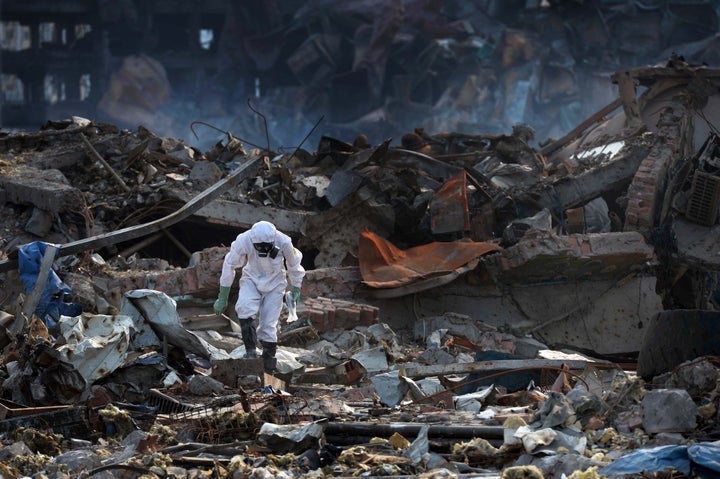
(326, 314)
(201, 277)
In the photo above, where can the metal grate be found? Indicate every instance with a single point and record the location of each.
(703, 203)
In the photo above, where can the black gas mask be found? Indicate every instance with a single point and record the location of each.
(266, 249)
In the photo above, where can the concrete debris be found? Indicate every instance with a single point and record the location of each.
(668, 410)
(472, 305)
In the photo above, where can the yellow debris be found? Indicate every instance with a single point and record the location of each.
(398, 441)
(522, 472)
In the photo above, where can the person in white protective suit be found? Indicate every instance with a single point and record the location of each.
(268, 260)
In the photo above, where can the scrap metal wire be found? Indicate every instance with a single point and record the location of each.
(317, 123)
(288, 406)
(229, 135)
(267, 133)
(206, 424)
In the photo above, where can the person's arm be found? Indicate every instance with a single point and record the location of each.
(233, 260)
(293, 264)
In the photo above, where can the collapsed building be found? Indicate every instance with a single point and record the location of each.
(370, 67)
(475, 305)
(474, 245)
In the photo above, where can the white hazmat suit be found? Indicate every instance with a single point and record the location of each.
(263, 280)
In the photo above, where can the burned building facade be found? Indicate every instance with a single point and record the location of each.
(375, 68)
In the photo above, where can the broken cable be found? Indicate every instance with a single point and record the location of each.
(229, 135)
(317, 123)
(267, 134)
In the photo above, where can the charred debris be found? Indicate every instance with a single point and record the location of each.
(474, 306)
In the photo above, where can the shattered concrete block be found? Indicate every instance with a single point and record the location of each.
(668, 438)
(227, 371)
(16, 449)
(80, 460)
(528, 347)
(82, 290)
(668, 410)
(390, 387)
(48, 190)
(208, 255)
(575, 220)
(200, 385)
(205, 172)
(349, 372)
(40, 222)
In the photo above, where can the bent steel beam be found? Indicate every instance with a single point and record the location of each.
(137, 231)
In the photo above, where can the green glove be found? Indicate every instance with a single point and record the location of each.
(221, 302)
(295, 294)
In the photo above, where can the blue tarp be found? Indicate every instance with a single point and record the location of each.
(703, 459)
(52, 302)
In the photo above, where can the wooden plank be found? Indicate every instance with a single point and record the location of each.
(132, 232)
(94, 153)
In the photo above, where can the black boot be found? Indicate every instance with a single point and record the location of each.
(249, 337)
(268, 356)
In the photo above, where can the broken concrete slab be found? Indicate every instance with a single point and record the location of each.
(668, 410)
(227, 371)
(47, 190)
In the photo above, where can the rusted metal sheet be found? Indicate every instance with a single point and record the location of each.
(382, 265)
(449, 207)
(10, 409)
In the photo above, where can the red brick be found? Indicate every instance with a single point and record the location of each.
(347, 318)
(318, 319)
(367, 316)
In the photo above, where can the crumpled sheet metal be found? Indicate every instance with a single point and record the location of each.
(382, 265)
(96, 345)
(449, 206)
(159, 311)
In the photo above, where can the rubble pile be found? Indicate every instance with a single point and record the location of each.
(473, 306)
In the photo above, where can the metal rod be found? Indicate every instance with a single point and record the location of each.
(99, 157)
(177, 243)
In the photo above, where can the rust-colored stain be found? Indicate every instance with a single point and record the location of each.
(449, 206)
(382, 265)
